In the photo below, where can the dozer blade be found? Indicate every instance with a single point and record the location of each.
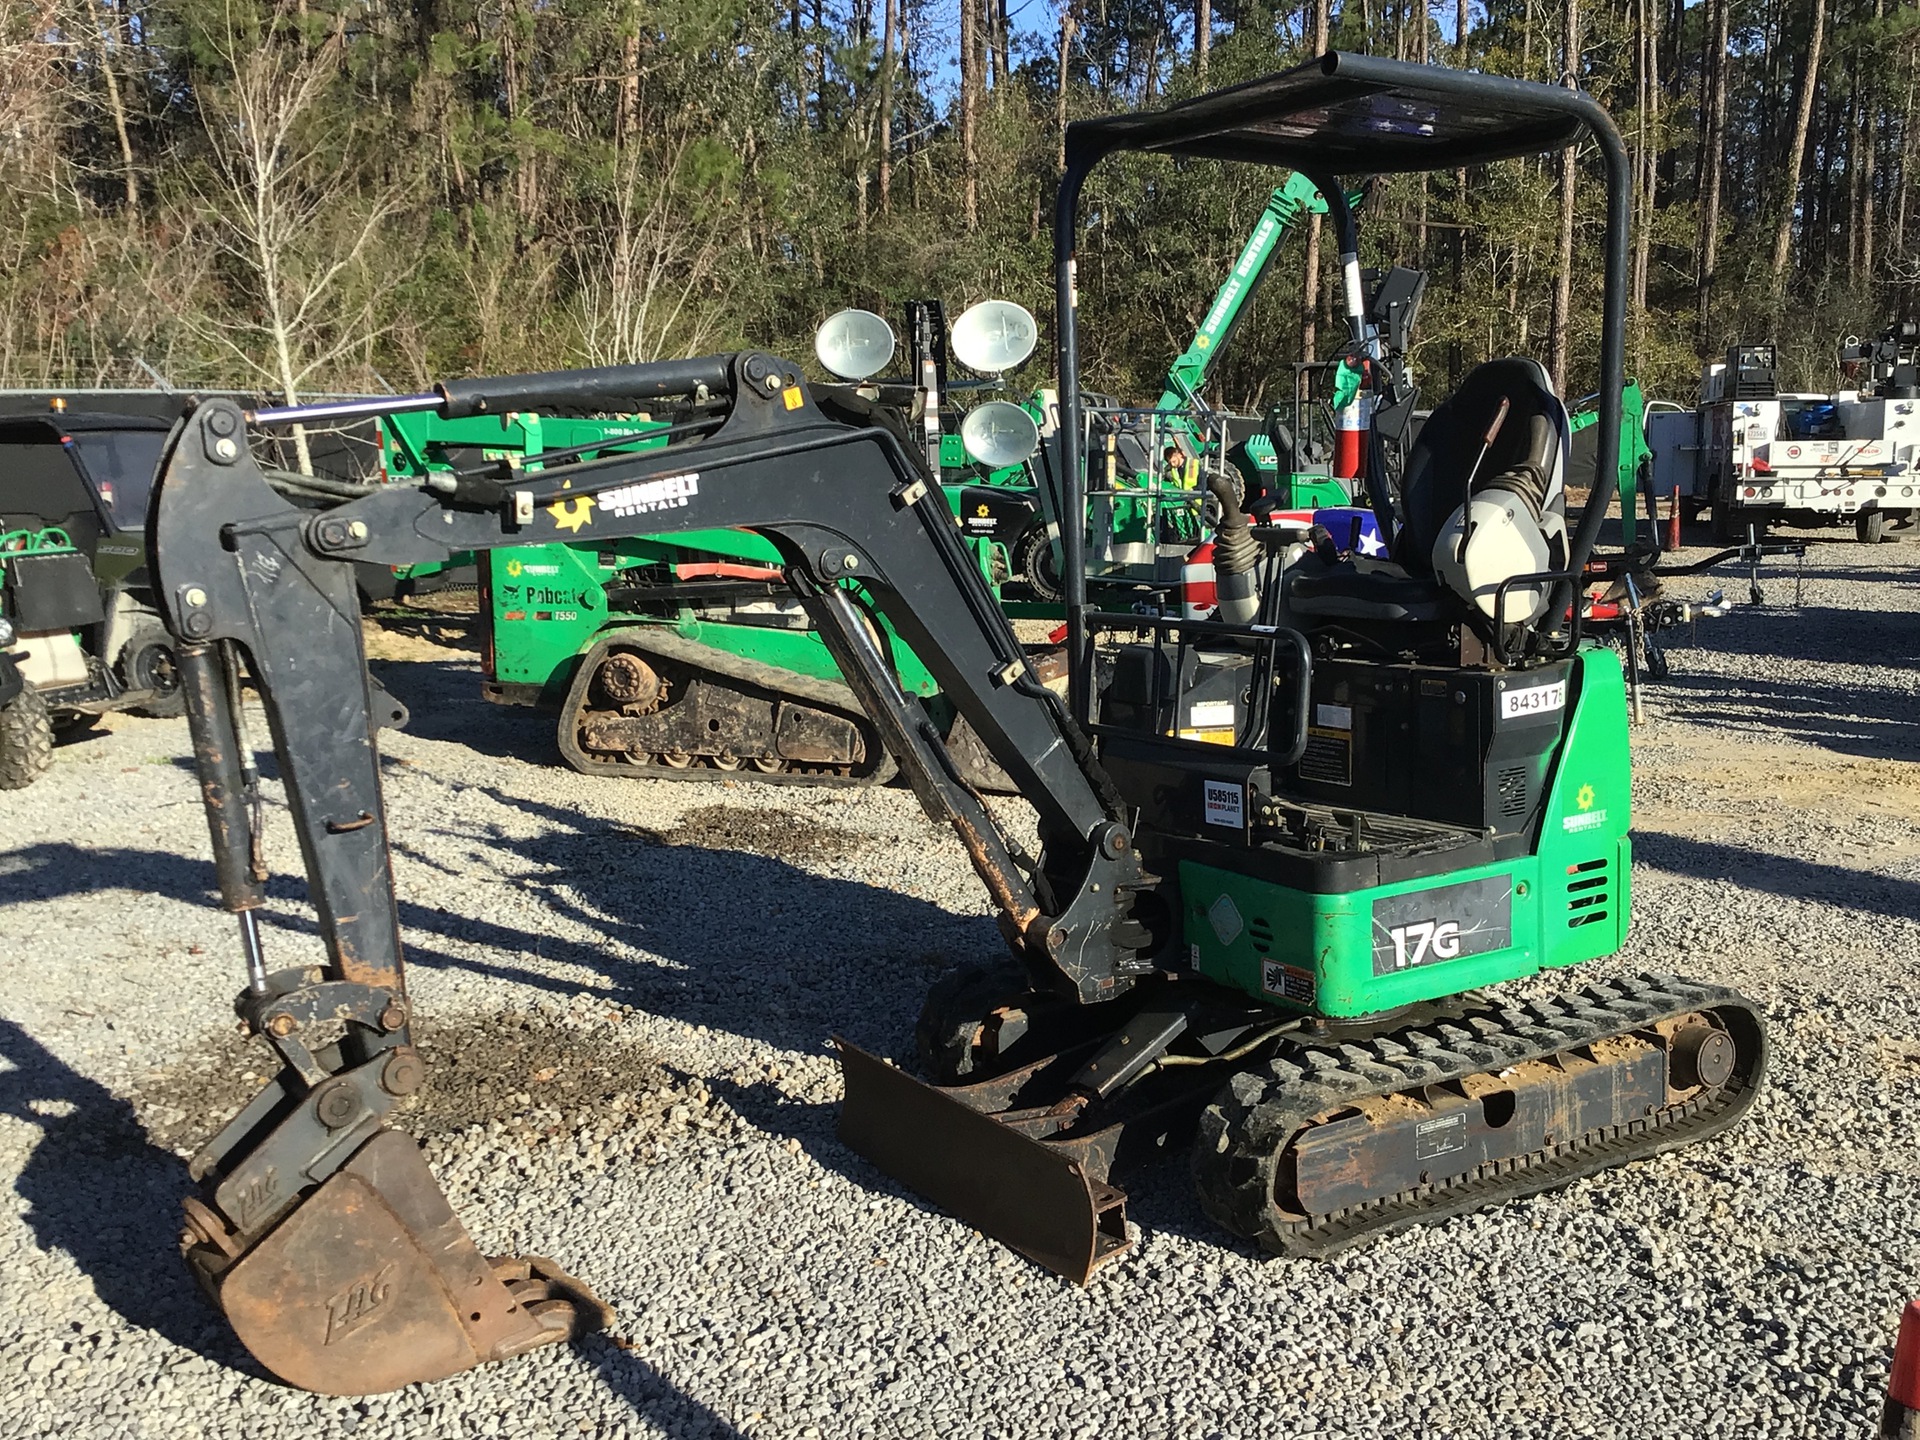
(371, 1282)
(1025, 1193)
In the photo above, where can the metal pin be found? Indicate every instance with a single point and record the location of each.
(256, 959)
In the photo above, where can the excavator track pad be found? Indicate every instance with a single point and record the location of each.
(371, 1282)
(1332, 1137)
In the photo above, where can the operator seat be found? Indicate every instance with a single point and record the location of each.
(1518, 488)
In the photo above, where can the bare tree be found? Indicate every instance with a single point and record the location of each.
(643, 264)
(1559, 335)
(278, 202)
(1796, 151)
(1310, 291)
(105, 29)
(1713, 83)
(886, 104)
(969, 114)
(1068, 28)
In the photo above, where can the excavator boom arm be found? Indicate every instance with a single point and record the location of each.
(313, 1211)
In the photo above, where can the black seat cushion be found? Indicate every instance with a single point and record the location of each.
(1345, 592)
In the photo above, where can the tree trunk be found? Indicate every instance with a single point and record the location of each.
(1561, 331)
(1869, 154)
(1796, 150)
(1067, 29)
(1645, 164)
(1422, 55)
(1002, 66)
(886, 105)
(627, 108)
(1462, 20)
(969, 104)
(118, 110)
(1909, 141)
(1713, 163)
(1202, 35)
(1310, 290)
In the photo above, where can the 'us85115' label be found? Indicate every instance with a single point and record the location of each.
(1534, 700)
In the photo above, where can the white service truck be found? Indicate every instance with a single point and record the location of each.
(1756, 456)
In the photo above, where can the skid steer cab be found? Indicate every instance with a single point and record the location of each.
(1282, 851)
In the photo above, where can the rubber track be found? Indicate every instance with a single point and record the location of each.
(652, 642)
(1258, 1111)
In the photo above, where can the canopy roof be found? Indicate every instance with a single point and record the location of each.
(1353, 115)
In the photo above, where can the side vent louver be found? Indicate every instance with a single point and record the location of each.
(1260, 931)
(1589, 893)
(1512, 791)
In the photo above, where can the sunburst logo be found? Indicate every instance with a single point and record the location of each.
(513, 568)
(571, 514)
(1585, 798)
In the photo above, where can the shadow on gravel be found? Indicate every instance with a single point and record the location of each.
(1160, 1195)
(1812, 634)
(653, 1396)
(752, 945)
(96, 1188)
(445, 704)
(1838, 885)
(1874, 724)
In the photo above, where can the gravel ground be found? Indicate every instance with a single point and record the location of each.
(628, 988)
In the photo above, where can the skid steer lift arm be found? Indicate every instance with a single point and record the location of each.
(320, 1232)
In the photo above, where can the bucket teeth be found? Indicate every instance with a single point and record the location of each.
(370, 1282)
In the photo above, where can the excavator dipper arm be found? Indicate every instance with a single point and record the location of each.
(319, 1231)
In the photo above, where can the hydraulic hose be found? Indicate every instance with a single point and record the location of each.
(1235, 555)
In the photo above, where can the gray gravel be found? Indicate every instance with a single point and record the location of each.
(655, 1106)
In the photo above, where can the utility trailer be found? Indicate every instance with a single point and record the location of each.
(1762, 456)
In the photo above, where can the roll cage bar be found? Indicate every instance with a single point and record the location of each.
(1338, 117)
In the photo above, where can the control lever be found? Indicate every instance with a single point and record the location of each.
(1466, 493)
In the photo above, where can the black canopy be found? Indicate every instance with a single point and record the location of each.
(1353, 115)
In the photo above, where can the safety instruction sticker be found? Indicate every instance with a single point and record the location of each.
(1328, 757)
(1211, 715)
(1293, 983)
(1534, 700)
(1226, 803)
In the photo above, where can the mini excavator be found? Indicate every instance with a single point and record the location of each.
(1283, 851)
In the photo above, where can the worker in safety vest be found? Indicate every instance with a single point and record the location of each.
(1180, 519)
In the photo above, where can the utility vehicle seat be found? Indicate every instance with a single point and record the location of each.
(1344, 592)
(1527, 453)
(1525, 460)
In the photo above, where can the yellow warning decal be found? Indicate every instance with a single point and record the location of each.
(791, 395)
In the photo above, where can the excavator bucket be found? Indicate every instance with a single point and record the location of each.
(1034, 1196)
(370, 1282)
